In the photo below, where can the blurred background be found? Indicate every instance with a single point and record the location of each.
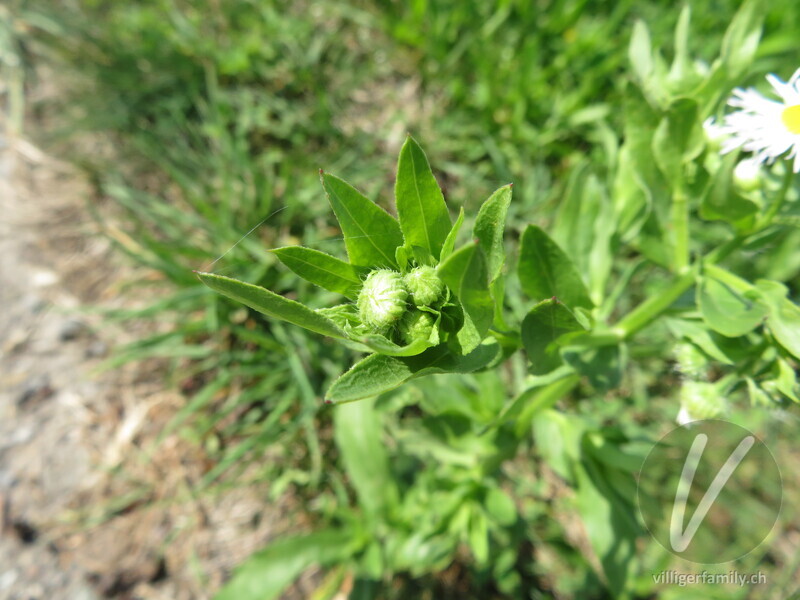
(155, 435)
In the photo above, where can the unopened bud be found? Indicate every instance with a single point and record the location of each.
(424, 285)
(382, 300)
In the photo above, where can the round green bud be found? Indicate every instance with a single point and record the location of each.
(747, 175)
(691, 362)
(700, 400)
(382, 300)
(416, 325)
(424, 285)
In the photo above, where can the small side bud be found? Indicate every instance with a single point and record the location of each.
(747, 175)
(382, 300)
(424, 285)
(416, 325)
(691, 362)
(700, 400)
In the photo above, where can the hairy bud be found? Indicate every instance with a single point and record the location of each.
(416, 325)
(382, 300)
(424, 285)
(700, 400)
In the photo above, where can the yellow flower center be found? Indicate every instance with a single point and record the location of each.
(791, 118)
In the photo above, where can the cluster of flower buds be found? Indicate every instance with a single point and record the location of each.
(389, 298)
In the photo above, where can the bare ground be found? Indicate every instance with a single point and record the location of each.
(90, 506)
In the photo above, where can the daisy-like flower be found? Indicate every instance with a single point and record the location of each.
(768, 128)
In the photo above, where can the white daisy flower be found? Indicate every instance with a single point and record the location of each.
(768, 128)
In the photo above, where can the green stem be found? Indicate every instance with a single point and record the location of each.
(653, 307)
(788, 177)
(680, 225)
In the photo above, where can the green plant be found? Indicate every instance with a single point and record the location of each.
(733, 337)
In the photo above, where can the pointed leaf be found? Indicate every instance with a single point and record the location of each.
(543, 325)
(488, 229)
(377, 373)
(727, 310)
(784, 315)
(267, 573)
(420, 204)
(546, 271)
(358, 431)
(323, 269)
(721, 200)
(450, 241)
(381, 345)
(466, 275)
(371, 235)
(271, 304)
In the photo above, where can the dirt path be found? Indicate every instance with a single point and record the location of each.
(90, 506)
(45, 393)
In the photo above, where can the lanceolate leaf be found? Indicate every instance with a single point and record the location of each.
(267, 573)
(489, 227)
(377, 373)
(542, 326)
(358, 431)
(546, 271)
(450, 241)
(380, 344)
(466, 275)
(271, 304)
(323, 269)
(420, 204)
(371, 235)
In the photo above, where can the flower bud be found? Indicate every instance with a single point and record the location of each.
(747, 175)
(700, 400)
(691, 362)
(382, 300)
(416, 325)
(424, 285)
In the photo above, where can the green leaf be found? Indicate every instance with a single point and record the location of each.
(271, 304)
(741, 39)
(500, 507)
(546, 271)
(640, 52)
(450, 241)
(381, 345)
(358, 431)
(479, 536)
(699, 336)
(488, 229)
(678, 138)
(377, 373)
(607, 514)
(267, 573)
(721, 201)
(727, 310)
(787, 380)
(420, 204)
(465, 273)
(784, 315)
(371, 235)
(323, 269)
(541, 327)
(603, 366)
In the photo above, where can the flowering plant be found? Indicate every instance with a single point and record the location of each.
(658, 241)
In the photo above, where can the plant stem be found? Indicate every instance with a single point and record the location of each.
(788, 177)
(680, 225)
(654, 306)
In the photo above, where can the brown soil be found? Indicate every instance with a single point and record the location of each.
(90, 505)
